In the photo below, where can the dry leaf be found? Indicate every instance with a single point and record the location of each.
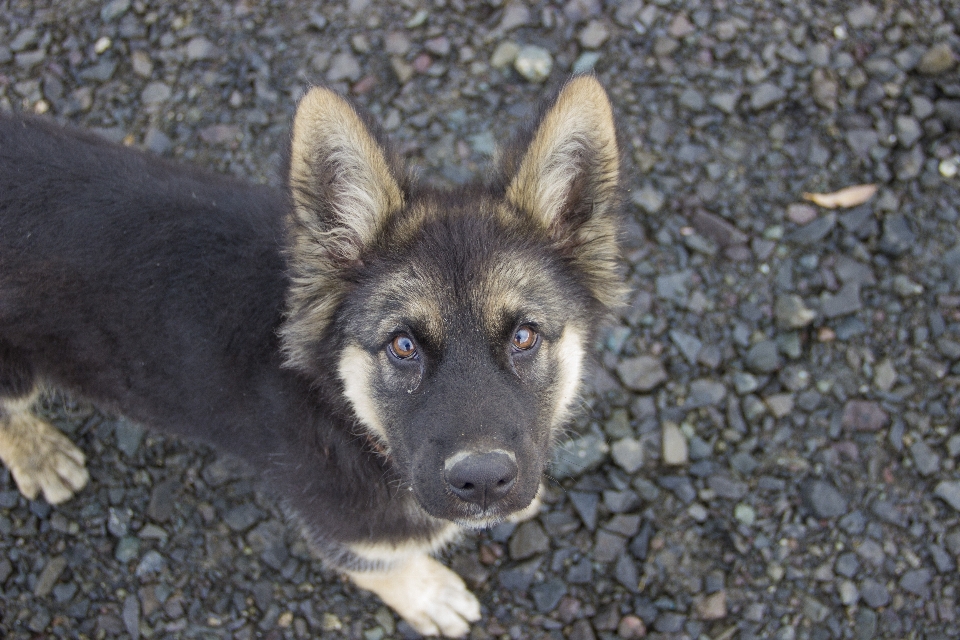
(849, 197)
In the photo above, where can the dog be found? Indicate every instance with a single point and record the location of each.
(395, 361)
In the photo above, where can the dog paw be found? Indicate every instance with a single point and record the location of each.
(430, 597)
(41, 458)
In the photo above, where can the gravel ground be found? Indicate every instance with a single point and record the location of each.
(770, 448)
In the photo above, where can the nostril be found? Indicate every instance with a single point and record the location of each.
(481, 478)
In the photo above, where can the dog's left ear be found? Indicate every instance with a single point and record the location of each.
(344, 180)
(346, 184)
(565, 178)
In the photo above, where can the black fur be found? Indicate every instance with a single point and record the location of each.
(158, 290)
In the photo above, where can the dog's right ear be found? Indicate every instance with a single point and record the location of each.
(345, 184)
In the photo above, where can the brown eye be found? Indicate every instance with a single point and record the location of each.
(525, 338)
(403, 347)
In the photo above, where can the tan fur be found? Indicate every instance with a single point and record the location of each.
(432, 598)
(362, 196)
(581, 117)
(326, 126)
(355, 370)
(579, 125)
(39, 456)
(569, 354)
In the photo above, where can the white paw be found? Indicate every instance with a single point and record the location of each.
(429, 596)
(40, 458)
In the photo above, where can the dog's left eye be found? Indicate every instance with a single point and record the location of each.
(525, 338)
(403, 347)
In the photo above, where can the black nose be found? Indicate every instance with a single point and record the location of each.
(481, 478)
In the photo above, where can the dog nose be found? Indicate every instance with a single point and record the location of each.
(481, 478)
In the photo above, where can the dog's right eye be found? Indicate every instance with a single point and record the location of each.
(403, 347)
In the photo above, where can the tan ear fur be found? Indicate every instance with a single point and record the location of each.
(332, 144)
(345, 189)
(566, 181)
(577, 130)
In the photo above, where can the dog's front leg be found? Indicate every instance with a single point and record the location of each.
(431, 597)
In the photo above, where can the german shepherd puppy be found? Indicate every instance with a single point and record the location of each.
(395, 361)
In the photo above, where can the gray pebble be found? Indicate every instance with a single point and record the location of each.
(243, 516)
(873, 593)
(528, 540)
(824, 499)
(949, 491)
(533, 63)
(766, 95)
(763, 357)
(925, 460)
(643, 373)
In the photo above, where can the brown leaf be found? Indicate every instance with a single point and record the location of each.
(848, 197)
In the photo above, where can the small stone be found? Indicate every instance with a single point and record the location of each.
(625, 571)
(801, 213)
(938, 59)
(680, 27)
(220, 133)
(608, 546)
(585, 62)
(199, 48)
(908, 130)
(864, 415)
(533, 63)
(874, 594)
(127, 549)
(745, 514)
(579, 456)
(766, 95)
(243, 517)
(129, 435)
(713, 607)
(114, 9)
(631, 628)
(643, 373)
(628, 454)
(884, 376)
(791, 312)
(344, 66)
(824, 499)
(648, 199)
(515, 15)
(504, 55)
(689, 345)
(925, 461)
(917, 582)
(705, 393)
(780, 404)
(151, 563)
(862, 16)
(155, 93)
(669, 622)
(585, 505)
(725, 101)
(528, 540)
(949, 491)
(131, 616)
(594, 34)
(745, 383)
(862, 141)
(49, 576)
(547, 595)
(141, 63)
(849, 594)
(763, 357)
(162, 501)
(675, 450)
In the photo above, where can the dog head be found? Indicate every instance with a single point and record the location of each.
(456, 323)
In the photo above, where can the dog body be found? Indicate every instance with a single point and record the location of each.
(394, 361)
